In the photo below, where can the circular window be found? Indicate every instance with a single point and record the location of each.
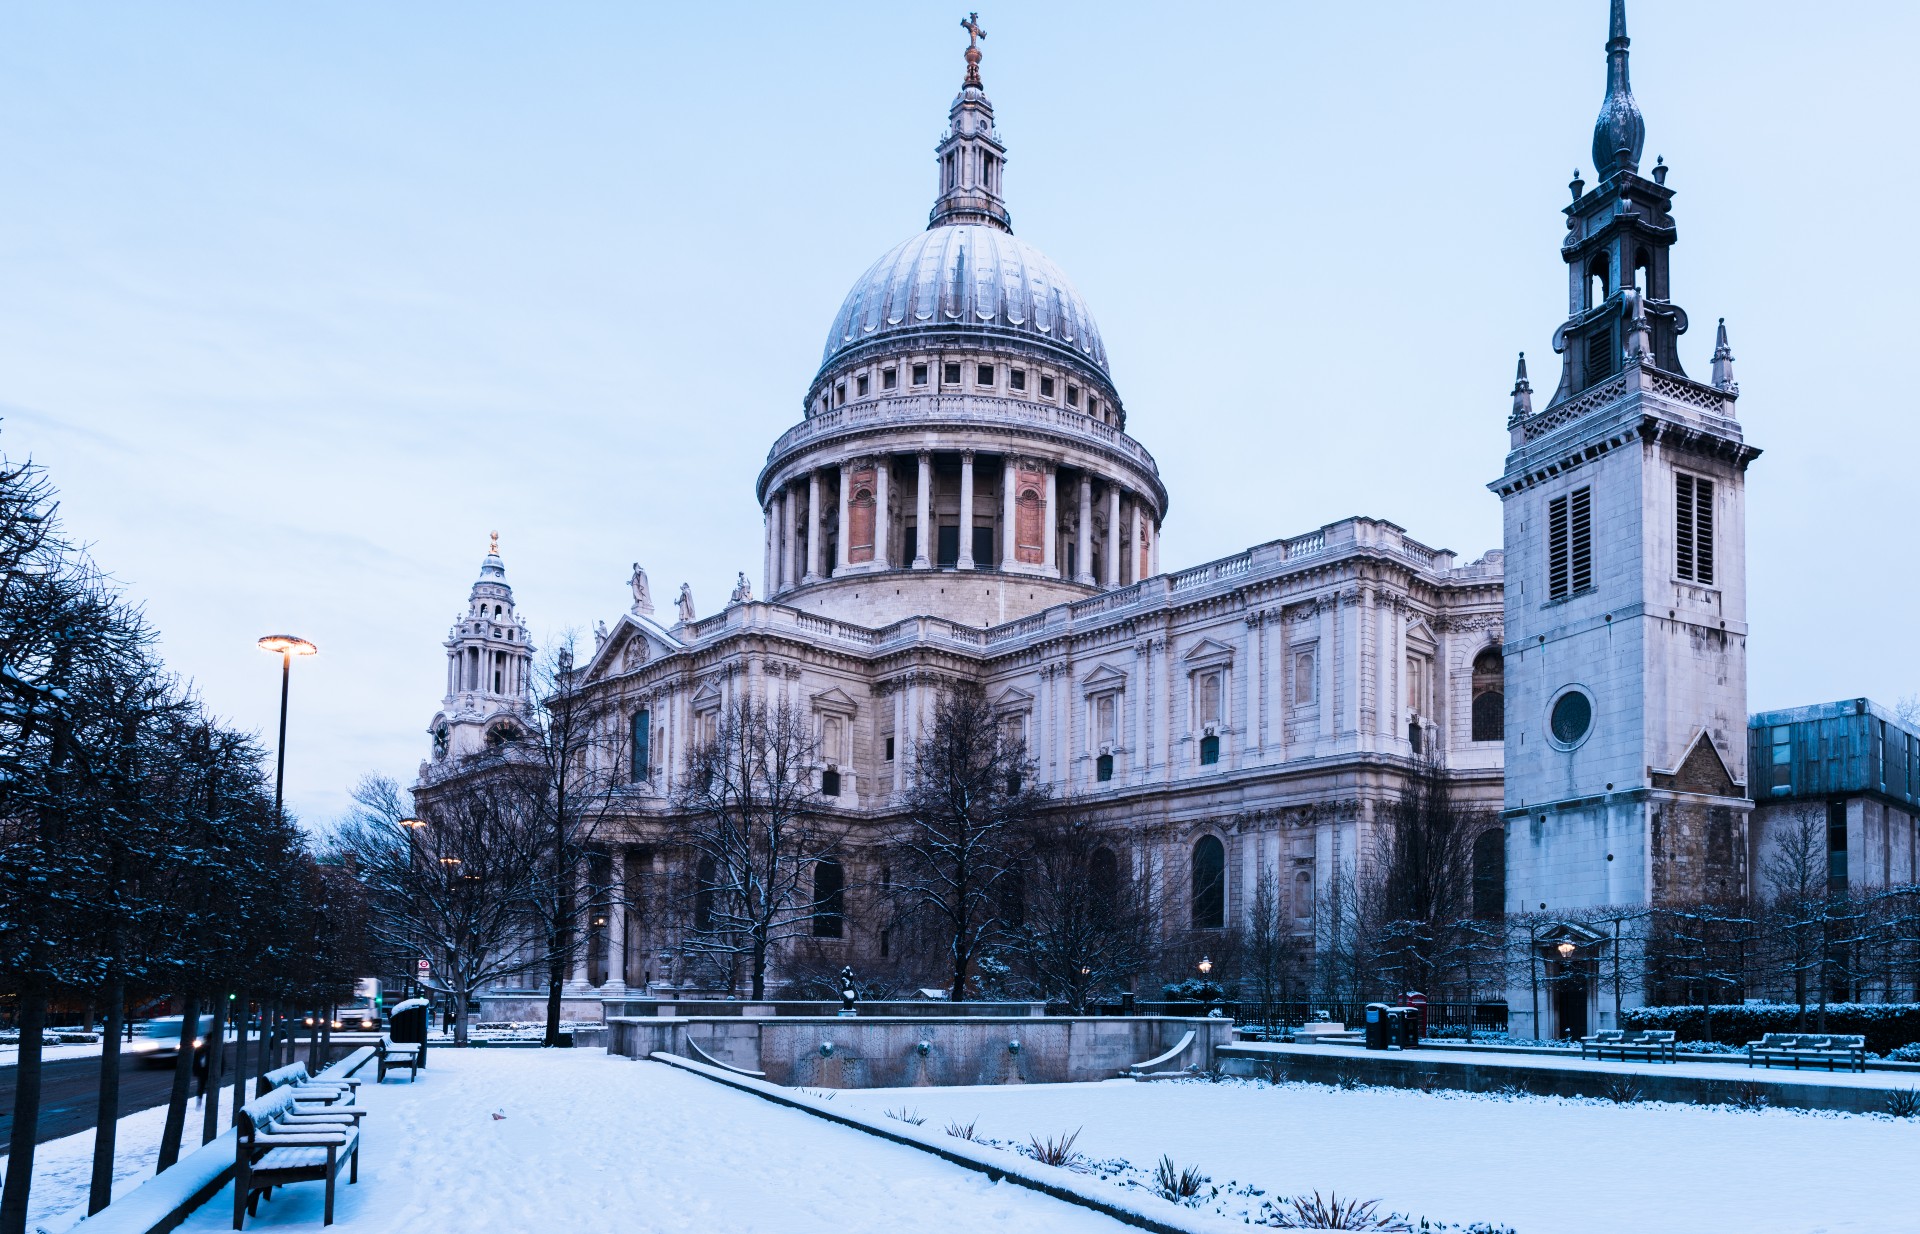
(1572, 717)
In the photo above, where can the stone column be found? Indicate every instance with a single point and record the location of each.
(1084, 548)
(966, 510)
(617, 918)
(1049, 531)
(1133, 540)
(882, 522)
(923, 499)
(771, 549)
(789, 568)
(844, 540)
(1153, 551)
(1324, 666)
(1008, 513)
(1256, 684)
(813, 528)
(1113, 535)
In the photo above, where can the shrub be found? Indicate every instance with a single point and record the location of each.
(1748, 1096)
(905, 1115)
(1886, 1026)
(1193, 990)
(1906, 1053)
(1624, 1090)
(1182, 1186)
(1055, 1151)
(1904, 1103)
(961, 1131)
(1310, 1212)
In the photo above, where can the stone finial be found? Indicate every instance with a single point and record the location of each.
(1723, 362)
(1522, 391)
(1620, 132)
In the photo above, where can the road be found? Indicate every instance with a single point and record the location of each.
(70, 1093)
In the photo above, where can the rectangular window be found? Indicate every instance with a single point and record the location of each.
(1046, 387)
(982, 547)
(1017, 379)
(889, 378)
(1783, 759)
(950, 375)
(1093, 405)
(642, 762)
(889, 755)
(947, 554)
(860, 386)
(1303, 678)
(1600, 355)
(1073, 396)
(839, 393)
(1209, 751)
(1570, 543)
(919, 374)
(1693, 528)
(984, 376)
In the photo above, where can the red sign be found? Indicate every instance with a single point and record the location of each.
(424, 968)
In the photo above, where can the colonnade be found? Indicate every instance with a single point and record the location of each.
(849, 505)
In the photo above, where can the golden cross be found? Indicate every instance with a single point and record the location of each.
(972, 26)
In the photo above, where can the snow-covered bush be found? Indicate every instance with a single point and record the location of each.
(1886, 1026)
(1181, 1186)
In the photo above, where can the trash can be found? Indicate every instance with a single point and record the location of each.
(408, 1022)
(1378, 1027)
(1404, 1030)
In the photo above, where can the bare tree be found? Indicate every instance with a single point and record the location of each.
(1271, 961)
(755, 836)
(1796, 875)
(970, 805)
(452, 885)
(1088, 924)
(1422, 885)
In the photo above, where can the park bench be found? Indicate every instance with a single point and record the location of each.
(1848, 1048)
(1653, 1044)
(395, 1055)
(278, 1141)
(310, 1090)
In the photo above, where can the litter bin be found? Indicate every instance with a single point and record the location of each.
(408, 1022)
(1404, 1028)
(1378, 1026)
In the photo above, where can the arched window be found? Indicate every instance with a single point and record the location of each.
(642, 761)
(829, 898)
(1103, 876)
(1489, 696)
(1303, 896)
(705, 878)
(1490, 875)
(1597, 281)
(1209, 884)
(1643, 272)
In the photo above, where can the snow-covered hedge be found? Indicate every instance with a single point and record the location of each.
(1887, 1026)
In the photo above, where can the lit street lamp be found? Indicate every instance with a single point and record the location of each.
(288, 646)
(1206, 966)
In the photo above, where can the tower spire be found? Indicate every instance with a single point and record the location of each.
(1522, 393)
(1723, 362)
(970, 153)
(1620, 132)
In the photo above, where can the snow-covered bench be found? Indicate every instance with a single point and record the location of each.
(394, 1055)
(308, 1089)
(277, 1141)
(1653, 1044)
(1848, 1048)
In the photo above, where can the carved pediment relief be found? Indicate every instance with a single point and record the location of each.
(1208, 652)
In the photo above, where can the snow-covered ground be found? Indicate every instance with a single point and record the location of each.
(1697, 1069)
(1540, 1165)
(63, 1168)
(589, 1142)
(50, 1050)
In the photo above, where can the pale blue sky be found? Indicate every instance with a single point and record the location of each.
(302, 301)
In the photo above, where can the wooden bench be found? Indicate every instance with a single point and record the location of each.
(309, 1090)
(395, 1055)
(277, 1141)
(1828, 1048)
(1653, 1044)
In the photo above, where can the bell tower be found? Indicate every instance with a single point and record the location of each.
(1624, 511)
(489, 667)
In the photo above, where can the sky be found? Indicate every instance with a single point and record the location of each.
(299, 303)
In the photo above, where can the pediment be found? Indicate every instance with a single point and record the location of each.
(834, 700)
(708, 695)
(1701, 771)
(1106, 677)
(1013, 698)
(633, 642)
(1208, 651)
(1421, 632)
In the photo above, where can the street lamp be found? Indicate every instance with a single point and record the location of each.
(288, 646)
(1566, 950)
(1206, 966)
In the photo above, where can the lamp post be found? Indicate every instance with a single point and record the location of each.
(288, 646)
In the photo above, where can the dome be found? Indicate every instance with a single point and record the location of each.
(966, 276)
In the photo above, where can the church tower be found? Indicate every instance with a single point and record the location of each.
(1626, 675)
(489, 667)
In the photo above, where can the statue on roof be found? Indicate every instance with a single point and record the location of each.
(642, 594)
(742, 591)
(685, 603)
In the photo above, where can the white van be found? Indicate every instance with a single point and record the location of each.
(158, 1040)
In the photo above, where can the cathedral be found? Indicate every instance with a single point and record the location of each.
(964, 498)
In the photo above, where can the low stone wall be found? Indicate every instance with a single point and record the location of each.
(1391, 1068)
(887, 1051)
(921, 1008)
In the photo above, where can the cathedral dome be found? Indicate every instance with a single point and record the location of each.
(966, 276)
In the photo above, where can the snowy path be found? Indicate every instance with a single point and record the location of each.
(1733, 1071)
(63, 1168)
(590, 1142)
(1541, 1165)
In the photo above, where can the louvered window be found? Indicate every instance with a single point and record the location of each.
(1693, 528)
(1599, 355)
(1570, 543)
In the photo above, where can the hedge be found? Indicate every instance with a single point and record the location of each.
(1887, 1026)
